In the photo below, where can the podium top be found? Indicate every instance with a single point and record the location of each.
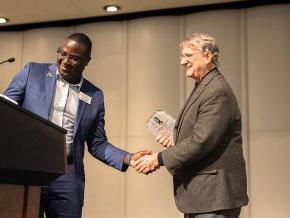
(34, 115)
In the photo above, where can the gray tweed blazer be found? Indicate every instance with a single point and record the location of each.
(207, 160)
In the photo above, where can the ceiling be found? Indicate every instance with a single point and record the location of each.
(35, 11)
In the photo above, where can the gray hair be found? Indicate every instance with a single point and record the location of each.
(205, 43)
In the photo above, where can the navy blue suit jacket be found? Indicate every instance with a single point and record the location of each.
(33, 88)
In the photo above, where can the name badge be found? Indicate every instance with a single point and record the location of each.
(85, 98)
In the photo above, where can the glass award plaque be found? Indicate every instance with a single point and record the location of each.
(160, 123)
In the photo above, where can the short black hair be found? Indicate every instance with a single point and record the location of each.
(83, 39)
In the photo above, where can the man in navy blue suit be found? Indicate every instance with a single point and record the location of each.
(59, 93)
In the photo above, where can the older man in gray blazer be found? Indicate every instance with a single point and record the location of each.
(206, 160)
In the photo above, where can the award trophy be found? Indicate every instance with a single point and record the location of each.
(160, 123)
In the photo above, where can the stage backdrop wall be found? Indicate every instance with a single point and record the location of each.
(136, 63)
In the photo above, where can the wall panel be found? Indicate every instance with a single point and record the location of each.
(40, 45)
(268, 81)
(10, 46)
(270, 176)
(268, 61)
(153, 70)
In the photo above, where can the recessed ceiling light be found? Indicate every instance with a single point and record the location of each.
(112, 8)
(3, 20)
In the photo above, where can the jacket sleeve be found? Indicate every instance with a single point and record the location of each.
(100, 148)
(16, 89)
(214, 118)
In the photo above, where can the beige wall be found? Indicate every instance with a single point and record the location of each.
(268, 35)
(136, 64)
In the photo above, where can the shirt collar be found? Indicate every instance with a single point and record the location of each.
(74, 86)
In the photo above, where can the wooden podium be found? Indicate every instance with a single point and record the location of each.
(32, 154)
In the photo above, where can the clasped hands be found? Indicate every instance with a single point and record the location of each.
(146, 161)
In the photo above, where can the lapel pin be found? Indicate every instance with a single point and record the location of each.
(49, 74)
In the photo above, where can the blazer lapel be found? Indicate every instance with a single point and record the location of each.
(50, 80)
(177, 122)
(196, 92)
(183, 108)
(82, 105)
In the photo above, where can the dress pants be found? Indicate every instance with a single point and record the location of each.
(230, 213)
(60, 198)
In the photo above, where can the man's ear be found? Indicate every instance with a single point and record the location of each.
(209, 57)
(88, 60)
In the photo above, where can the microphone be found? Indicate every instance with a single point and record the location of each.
(10, 60)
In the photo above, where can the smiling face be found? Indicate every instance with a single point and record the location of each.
(196, 62)
(192, 61)
(72, 59)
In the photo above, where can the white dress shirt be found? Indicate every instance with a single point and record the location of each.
(64, 107)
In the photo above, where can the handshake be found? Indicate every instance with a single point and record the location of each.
(146, 161)
(161, 125)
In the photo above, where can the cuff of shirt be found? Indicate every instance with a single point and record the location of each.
(126, 161)
(160, 160)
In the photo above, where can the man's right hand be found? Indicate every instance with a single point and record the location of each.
(138, 155)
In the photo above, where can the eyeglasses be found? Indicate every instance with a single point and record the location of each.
(188, 56)
(74, 59)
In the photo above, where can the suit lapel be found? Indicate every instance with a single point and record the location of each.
(196, 92)
(82, 105)
(183, 108)
(176, 126)
(50, 80)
